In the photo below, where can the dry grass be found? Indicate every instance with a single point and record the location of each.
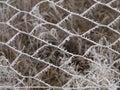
(104, 32)
(77, 6)
(52, 55)
(26, 43)
(77, 24)
(50, 33)
(102, 14)
(77, 45)
(34, 59)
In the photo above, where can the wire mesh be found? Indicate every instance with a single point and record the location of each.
(59, 45)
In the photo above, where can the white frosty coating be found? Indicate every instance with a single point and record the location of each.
(101, 70)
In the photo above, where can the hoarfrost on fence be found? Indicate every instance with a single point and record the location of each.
(59, 44)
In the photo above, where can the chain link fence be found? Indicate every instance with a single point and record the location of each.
(59, 44)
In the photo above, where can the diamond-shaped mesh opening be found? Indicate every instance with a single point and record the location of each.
(77, 24)
(25, 22)
(54, 77)
(102, 14)
(30, 66)
(77, 6)
(52, 55)
(26, 43)
(6, 33)
(25, 5)
(102, 34)
(50, 12)
(50, 33)
(6, 12)
(77, 45)
(9, 53)
(116, 4)
(77, 65)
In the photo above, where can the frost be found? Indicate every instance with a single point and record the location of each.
(59, 45)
